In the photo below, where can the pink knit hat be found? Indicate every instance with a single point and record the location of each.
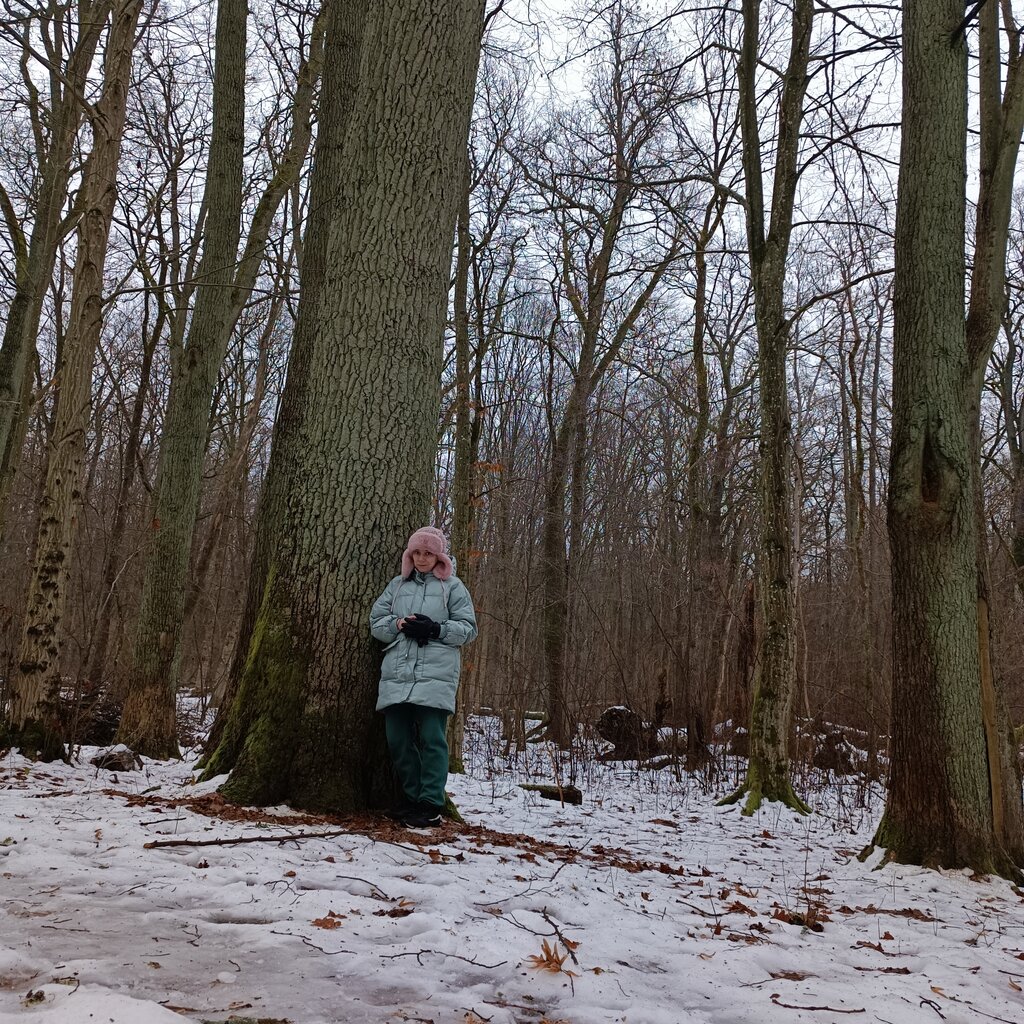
(428, 538)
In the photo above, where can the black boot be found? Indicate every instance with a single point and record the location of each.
(423, 816)
(401, 810)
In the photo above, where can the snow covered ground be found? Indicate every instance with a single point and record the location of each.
(645, 905)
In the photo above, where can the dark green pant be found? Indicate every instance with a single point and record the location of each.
(419, 750)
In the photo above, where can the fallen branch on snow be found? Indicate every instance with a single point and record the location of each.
(158, 843)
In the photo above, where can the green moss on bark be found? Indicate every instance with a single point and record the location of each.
(36, 740)
(761, 787)
(272, 687)
(908, 846)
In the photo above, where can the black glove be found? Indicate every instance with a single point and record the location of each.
(422, 629)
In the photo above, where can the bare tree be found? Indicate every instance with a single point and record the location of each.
(35, 722)
(768, 241)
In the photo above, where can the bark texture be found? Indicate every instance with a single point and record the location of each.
(35, 693)
(1001, 115)
(148, 723)
(345, 23)
(939, 810)
(37, 255)
(775, 682)
(362, 471)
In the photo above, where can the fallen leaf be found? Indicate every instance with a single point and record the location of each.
(332, 920)
(550, 959)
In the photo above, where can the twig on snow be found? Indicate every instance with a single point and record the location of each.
(159, 843)
(793, 1006)
(437, 952)
(569, 945)
(376, 893)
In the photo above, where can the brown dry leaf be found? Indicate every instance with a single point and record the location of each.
(289, 874)
(884, 970)
(332, 920)
(938, 991)
(394, 912)
(888, 936)
(549, 959)
(736, 907)
(153, 964)
(645, 896)
(915, 913)
(706, 956)
(436, 856)
(790, 975)
(1014, 985)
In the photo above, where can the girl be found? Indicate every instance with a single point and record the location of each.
(424, 616)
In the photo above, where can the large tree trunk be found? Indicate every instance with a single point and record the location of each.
(362, 477)
(939, 810)
(775, 682)
(35, 693)
(148, 721)
(36, 257)
(342, 46)
(1002, 121)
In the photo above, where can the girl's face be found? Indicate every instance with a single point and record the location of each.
(424, 561)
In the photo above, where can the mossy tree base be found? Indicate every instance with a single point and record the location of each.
(36, 740)
(451, 812)
(282, 744)
(760, 788)
(948, 850)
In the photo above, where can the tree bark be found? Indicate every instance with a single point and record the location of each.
(345, 25)
(939, 810)
(775, 682)
(36, 257)
(362, 473)
(36, 685)
(148, 720)
(1002, 122)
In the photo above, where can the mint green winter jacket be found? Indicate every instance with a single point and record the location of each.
(427, 675)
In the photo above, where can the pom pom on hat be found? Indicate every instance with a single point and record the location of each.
(428, 538)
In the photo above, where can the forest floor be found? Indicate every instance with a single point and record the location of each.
(647, 904)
